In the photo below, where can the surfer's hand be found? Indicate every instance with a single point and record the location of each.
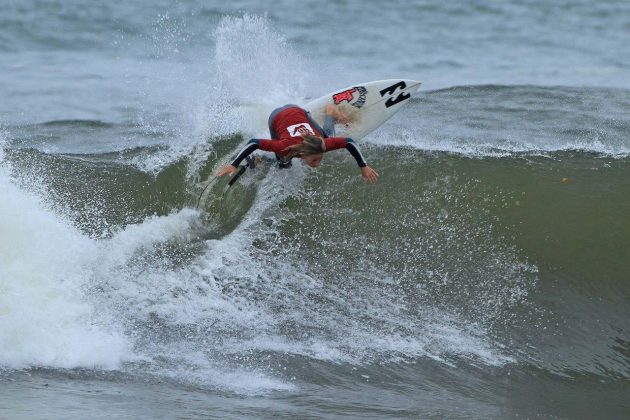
(336, 114)
(227, 169)
(369, 175)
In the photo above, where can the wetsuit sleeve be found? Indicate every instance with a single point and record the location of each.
(334, 143)
(247, 150)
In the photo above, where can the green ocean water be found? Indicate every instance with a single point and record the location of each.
(484, 276)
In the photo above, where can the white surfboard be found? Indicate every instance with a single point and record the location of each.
(367, 105)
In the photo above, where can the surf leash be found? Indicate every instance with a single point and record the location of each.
(252, 161)
(204, 190)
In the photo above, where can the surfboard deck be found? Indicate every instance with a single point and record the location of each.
(367, 105)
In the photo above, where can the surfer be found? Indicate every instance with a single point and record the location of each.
(295, 134)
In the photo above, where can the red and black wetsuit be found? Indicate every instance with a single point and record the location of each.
(287, 125)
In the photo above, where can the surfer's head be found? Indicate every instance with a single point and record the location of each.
(314, 161)
(311, 150)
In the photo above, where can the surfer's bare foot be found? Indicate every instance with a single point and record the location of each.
(336, 114)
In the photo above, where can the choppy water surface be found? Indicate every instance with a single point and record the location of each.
(485, 276)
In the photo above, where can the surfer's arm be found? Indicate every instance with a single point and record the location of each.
(354, 150)
(248, 149)
(276, 146)
(333, 143)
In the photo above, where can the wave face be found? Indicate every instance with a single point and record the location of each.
(489, 263)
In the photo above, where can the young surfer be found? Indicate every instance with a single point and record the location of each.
(295, 134)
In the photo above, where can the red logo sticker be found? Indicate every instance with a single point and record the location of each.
(346, 95)
(297, 130)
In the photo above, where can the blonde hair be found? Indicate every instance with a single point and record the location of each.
(311, 145)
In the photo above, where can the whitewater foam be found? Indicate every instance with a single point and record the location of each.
(44, 319)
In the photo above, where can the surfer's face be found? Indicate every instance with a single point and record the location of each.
(313, 160)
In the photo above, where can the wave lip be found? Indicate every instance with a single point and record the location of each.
(499, 120)
(77, 123)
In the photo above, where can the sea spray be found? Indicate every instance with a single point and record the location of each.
(44, 265)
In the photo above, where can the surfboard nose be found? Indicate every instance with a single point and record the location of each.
(370, 104)
(411, 84)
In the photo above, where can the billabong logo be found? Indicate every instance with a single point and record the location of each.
(301, 129)
(348, 95)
